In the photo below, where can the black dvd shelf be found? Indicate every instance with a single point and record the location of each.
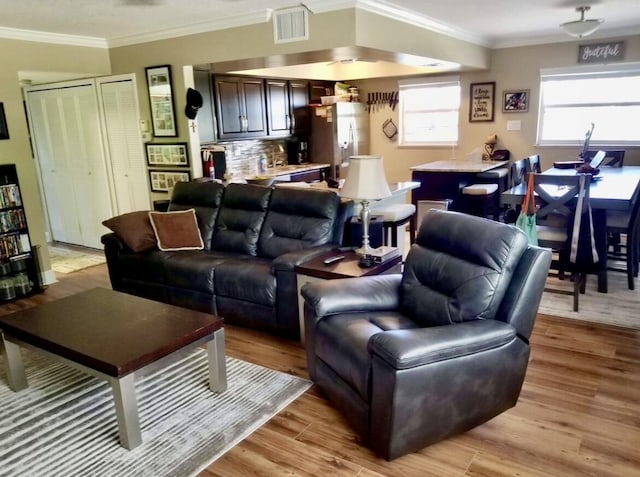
(19, 270)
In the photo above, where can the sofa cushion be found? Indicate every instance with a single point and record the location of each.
(205, 198)
(436, 293)
(191, 269)
(298, 219)
(134, 229)
(240, 219)
(247, 279)
(176, 230)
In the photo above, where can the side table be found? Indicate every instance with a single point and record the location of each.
(315, 271)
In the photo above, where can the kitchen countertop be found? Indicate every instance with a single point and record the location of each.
(293, 169)
(455, 165)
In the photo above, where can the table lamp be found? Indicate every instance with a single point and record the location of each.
(365, 182)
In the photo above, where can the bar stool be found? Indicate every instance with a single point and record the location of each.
(482, 200)
(395, 216)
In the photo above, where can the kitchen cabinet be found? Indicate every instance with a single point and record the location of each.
(19, 272)
(317, 89)
(240, 107)
(287, 107)
(206, 124)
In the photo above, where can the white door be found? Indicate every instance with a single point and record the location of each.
(120, 113)
(66, 133)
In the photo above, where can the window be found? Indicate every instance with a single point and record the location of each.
(429, 110)
(573, 98)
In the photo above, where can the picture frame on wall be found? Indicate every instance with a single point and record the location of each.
(167, 155)
(515, 101)
(482, 101)
(163, 117)
(164, 181)
(4, 129)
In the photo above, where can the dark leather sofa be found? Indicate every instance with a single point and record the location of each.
(415, 358)
(254, 236)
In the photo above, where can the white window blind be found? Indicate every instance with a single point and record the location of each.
(429, 111)
(573, 98)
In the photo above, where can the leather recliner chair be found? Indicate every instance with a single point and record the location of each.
(415, 358)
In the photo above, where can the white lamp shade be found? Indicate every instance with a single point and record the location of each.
(365, 179)
(581, 28)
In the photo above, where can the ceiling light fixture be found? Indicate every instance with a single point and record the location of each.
(581, 28)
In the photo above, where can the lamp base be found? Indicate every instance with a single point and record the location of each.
(366, 261)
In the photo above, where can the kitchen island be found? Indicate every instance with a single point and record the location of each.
(442, 180)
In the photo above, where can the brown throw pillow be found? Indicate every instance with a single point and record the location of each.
(134, 229)
(177, 230)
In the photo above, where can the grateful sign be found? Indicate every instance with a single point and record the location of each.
(601, 52)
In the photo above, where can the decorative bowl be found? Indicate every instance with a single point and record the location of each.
(260, 180)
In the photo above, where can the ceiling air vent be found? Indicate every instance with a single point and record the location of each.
(290, 24)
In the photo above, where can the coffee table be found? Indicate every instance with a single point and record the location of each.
(112, 335)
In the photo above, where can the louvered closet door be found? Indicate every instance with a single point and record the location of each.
(50, 142)
(66, 131)
(124, 146)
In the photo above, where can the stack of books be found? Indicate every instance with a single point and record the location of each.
(384, 253)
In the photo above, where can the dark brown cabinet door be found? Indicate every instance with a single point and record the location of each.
(278, 111)
(240, 107)
(206, 125)
(254, 106)
(299, 106)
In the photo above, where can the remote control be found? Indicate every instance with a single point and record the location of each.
(330, 260)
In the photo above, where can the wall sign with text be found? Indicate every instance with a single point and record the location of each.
(601, 52)
(482, 101)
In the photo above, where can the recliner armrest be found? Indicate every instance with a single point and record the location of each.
(403, 349)
(374, 293)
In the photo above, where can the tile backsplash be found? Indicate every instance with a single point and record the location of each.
(240, 155)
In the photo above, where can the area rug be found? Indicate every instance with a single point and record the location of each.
(64, 424)
(66, 261)
(618, 307)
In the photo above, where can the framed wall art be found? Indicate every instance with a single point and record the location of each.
(163, 115)
(515, 101)
(4, 130)
(164, 181)
(167, 155)
(482, 101)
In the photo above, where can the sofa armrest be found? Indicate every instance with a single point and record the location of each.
(374, 293)
(112, 243)
(288, 261)
(403, 349)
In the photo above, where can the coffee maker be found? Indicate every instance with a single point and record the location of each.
(297, 152)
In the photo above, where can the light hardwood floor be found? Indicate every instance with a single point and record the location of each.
(578, 414)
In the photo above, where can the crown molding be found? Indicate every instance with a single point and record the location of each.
(389, 10)
(192, 29)
(381, 8)
(565, 38)
(48, 37)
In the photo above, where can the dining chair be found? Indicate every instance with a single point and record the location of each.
(519, 170)
(624, 224)
(534, 164)
(556, 197)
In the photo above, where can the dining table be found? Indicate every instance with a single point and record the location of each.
(613, 188)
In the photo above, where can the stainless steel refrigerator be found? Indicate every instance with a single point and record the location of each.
(338, 131)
